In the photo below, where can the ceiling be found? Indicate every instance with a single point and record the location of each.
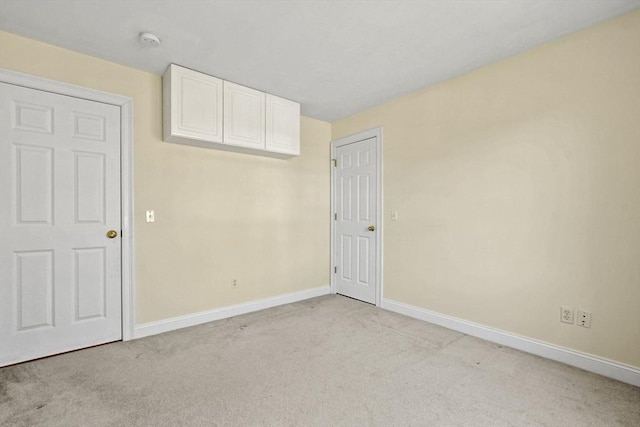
(334, 57)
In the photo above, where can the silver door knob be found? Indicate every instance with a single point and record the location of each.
(372, 228)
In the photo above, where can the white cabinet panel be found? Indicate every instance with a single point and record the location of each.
(244, 116)
(205, 111)
(192, 106)
(283, 125)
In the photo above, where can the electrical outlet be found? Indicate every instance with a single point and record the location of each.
(584, 319)
(234, 283)
(566, 314)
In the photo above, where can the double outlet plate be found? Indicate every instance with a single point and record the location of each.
(583, 318)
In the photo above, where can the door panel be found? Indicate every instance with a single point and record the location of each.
(33, 178)
(34, 286)
(90, 181)
(90, 283)
(356, 205)
(60, 276)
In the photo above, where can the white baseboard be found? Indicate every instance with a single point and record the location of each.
(153, 328)
(607, 368)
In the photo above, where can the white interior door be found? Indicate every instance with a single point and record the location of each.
(356, 222)
(60, 274)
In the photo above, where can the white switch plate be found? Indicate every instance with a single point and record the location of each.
(151, 216)
(394, 215)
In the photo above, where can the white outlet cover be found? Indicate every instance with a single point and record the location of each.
(566, 314)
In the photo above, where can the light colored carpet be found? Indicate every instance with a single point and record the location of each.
(325, 361)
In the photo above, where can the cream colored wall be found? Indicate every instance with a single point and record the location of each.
(518, 190)
(219, 215)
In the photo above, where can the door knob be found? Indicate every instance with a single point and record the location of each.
(372, 228)
(112, 234)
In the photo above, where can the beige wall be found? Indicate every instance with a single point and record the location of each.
(518, 190)
(219, 216)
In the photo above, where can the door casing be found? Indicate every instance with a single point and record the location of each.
(371, 133)
(126, 174)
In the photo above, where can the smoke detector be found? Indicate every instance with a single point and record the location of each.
(149, 39)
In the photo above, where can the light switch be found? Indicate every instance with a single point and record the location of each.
(151, 216)
(394, 215)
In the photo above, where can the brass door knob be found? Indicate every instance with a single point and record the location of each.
(112, 234)
(372, 228)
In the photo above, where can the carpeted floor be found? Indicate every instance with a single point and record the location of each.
(325, 361)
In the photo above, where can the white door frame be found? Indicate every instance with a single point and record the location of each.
(371, 133)
(126, 174)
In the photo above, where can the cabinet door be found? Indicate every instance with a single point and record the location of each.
(192, 105)
(283, 126)
(244, 120)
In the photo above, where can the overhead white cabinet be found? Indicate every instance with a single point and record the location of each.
(283, 125)
(192, 106)
(205, 111)
(244, 116)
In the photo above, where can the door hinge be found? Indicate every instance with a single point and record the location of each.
(335, 162)
(335, 270)
(335, 216)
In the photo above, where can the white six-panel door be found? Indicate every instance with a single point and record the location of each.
(356, 223)
(60, 275)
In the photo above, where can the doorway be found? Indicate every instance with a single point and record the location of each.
(65, 223)
(356, 206)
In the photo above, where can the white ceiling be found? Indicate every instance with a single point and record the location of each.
(335, 57)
